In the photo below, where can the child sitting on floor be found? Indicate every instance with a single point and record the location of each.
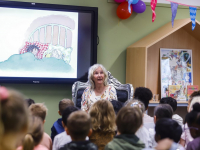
(57, 127)
(193, 121)
(103, 123)
(34, 135)
(40, 110)
(78, 127)
(129, 120)
(62, 138)
(142, 133)
(13, 118)
(173, 103)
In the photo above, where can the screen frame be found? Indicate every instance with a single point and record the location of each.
(56, 7)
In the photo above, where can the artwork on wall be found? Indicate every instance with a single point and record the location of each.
(176, 71)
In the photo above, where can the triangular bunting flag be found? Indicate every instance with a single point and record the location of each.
(193, 11)
(174, 7)
(153, 7)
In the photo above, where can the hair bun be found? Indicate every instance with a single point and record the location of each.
(196, 107)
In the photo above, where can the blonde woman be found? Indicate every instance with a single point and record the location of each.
(103, 123)
(34, 135)
(98, 89)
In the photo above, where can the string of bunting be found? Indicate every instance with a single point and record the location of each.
(174, 6)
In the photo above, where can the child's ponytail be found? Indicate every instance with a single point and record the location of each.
(194, 115)
(28, 143)
(35, 133)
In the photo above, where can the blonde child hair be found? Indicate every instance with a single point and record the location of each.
(39, 110)
(103, 116)
(34, 134)
(13, 118)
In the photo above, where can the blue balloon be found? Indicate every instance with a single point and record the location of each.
(134, 1)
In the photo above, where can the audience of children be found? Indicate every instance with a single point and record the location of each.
(32, 139)
(40, 110)
(62, 138)
(160, 111)
(128, 121)
(13, 118)
(57, 127)
(142, 133)
(173, 103)
(103, 123)
(99, 125)
(78, 127)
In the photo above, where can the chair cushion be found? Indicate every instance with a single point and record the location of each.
(122, 96)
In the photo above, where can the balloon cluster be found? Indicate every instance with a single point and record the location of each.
(125, 9)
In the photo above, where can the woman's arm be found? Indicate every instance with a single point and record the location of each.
(113, 93)
(84, 102)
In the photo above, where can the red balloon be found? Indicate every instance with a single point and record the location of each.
(122, 11)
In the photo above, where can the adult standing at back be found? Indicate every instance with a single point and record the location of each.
(98, 89)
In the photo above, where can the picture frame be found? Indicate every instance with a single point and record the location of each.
(176, 72)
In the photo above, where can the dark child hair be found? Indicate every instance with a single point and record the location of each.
(30, 101)
(163, 111)
(67, 112)
(144, 95)
(168, 128)
(117, 105)
(193, 117)
(171, 101)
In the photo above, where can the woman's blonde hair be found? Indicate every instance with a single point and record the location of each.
(13, 115)
(91, 72)
(35, 133)
(103, 116)
(136, 103)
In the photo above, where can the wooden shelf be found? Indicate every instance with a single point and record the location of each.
(143, 57)
(179, 103)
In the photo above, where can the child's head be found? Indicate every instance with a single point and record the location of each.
(66, 114)
(33, 49)
(63, 104)
(13, 117)
(193, 120)
(193, 99)
(103, 116)
(78, 125)
(136, 103)
(162, 111)
(39, 110)
(144, 95)
(171, 101)
(117, 105)
(34, 134)
(167, 128)
(29, 101)
(129, 120)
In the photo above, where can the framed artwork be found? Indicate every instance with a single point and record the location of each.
(176, 71)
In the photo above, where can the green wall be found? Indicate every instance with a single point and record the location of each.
(115, 36)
